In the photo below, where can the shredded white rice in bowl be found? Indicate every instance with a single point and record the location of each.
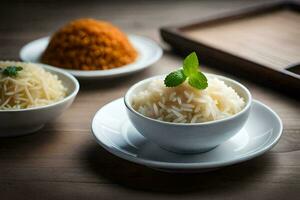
(185, 104)
(188, 120)
(31, 87)
(36, 95)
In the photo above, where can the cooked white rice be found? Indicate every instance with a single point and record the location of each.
(32, 87)
(185, 104)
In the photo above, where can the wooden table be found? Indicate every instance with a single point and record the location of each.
(63, 161)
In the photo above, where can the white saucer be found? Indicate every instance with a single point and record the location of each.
(149, 52)
(113, 131)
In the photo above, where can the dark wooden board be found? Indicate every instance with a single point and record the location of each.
(260, 42)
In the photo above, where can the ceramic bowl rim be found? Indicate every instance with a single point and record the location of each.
(71, 95)
(142, 82)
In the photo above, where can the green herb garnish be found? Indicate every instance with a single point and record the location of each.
(189, 71)
(11, 70)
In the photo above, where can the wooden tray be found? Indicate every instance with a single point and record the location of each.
(262, 42)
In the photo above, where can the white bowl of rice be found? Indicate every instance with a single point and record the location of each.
(33, 97)
(183, 119)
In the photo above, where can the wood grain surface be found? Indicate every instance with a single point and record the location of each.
(270, 39)
(62, 161)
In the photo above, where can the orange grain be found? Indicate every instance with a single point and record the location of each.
(88, 44)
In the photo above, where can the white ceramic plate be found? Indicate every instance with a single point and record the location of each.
(113, 131)
(149, 52)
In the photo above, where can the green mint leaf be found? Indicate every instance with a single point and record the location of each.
(190, 64)
(198, 80)
(11, 70)
(190, 71)
(175, 78)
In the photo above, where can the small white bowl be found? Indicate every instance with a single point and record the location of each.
(188, 137)
(25, 121)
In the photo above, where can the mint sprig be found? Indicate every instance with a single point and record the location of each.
(175, 78)
(11, 70)
(198, 80)
(190, 64)
(190, 71)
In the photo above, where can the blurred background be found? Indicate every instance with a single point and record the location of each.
(23, 21)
